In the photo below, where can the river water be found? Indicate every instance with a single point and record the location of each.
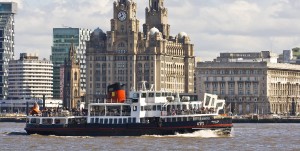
(245, 137)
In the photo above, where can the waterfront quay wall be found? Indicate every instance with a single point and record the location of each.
(267, 120)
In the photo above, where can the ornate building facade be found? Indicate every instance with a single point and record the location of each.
(124, 54)
(251, 87)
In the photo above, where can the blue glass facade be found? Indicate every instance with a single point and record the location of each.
(62, 39)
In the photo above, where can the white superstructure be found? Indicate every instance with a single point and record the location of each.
(30, 77)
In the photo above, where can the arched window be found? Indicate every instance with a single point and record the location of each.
(68, 76)
(121, 45)
(75, 92)
(75, 76)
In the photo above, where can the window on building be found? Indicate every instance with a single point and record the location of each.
(75, 76)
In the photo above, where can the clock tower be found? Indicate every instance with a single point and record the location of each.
(157, 16)
(124, 32)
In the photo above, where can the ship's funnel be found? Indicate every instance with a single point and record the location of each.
(116, 93)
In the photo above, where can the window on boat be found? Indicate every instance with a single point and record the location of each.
(178, 107)
(169, 119)
(184, 107)
(154, 108)
(97, 120)
(144, 95)
(129, 120)
(106, 121)
(197, 118)
(184, 119)
(136, 95)
(169, 94)
(34, 121)
(142, 108)
(47, 121)
(151, 95)
(113, 110)
(120, 121)
(134, 108)
(213, 102)
(174, 119)
(142, 120)
(158, 94)
(124, 120)
(115, 121)
(110, 121)
(133, 120)
(207, 100)
(219, 104)
(92, 120)
(101, 120)
(148, 107)
(158, 107)
(126, 110)
(190, 118)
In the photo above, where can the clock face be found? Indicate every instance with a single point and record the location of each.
(122, 15)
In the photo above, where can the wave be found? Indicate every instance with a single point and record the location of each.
(15, 133)
(197, 134)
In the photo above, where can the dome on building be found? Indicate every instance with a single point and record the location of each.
(97, 31)
(181, 35)
(153, 31)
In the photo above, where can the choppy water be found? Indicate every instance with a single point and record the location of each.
(245, 137)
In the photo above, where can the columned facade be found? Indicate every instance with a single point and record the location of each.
(251, 87)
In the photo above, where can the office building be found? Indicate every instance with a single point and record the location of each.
(62, 39)
(7, 33)
(30, 77)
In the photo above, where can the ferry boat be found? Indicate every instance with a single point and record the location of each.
(144, 112)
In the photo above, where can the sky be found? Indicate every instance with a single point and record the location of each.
(214, 26)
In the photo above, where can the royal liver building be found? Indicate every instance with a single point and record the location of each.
(125, 54)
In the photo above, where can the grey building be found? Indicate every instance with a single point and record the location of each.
(251, 87)
(62, 39)
(263, 56)
(7, 23)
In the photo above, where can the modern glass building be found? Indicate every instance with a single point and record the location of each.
(62, 39)
(7, 23)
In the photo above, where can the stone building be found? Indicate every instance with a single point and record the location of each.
(252, 87)
(71, 83)
(263, 56)
(126, 55)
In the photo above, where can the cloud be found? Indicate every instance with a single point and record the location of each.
(214, 26)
